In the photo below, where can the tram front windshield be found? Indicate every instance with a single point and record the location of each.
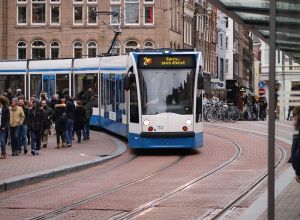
(167, 90)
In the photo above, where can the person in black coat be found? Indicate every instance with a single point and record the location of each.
(295, 151)
(70, 110)
(60, 117)
(36, 123)
(4, 123)
(79, 120)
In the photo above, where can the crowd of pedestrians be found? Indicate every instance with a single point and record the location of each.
(29, 122)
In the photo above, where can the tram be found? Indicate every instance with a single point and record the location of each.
(154, 98)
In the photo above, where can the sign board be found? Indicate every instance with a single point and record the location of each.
(166, 61)
(261, 84)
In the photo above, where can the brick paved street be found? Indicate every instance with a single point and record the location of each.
(50, 158)
(127, 182)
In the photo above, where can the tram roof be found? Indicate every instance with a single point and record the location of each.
(19, 67)
(255, 15)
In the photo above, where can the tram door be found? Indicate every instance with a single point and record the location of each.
(49, 84)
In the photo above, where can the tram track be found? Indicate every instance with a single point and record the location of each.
(64, 209)
(143, 208)
(80, 178)
(222, 212)
(149, 205)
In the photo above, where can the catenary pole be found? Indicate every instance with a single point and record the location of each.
(271, 122)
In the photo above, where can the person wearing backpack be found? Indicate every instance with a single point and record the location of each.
(60, 118)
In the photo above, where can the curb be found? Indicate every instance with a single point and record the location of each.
(31, 178)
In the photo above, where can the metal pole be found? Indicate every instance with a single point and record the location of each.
(271, 122)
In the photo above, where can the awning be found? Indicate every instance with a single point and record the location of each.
(255, 15)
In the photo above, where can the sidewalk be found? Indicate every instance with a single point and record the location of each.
(20, 170)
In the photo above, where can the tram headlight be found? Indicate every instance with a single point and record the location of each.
(188, 122)
(146, 122)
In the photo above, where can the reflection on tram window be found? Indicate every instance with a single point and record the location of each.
(112, 92)
(134, 109)
(167, 90)
(13, 82)
(62, 85)
(35, 85)
(86, 87)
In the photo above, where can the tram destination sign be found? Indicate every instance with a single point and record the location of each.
(166, 61)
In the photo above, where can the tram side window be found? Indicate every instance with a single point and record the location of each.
(86, 87)
(113, 92)
(62, 85)
(102, 91)
(134, 109)
(199, 106)
(12, 82)
(107, 95)
(35, 85)
(123, 104)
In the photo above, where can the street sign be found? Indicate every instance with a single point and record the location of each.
(261, 84)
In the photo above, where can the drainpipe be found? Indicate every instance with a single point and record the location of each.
(5, 21)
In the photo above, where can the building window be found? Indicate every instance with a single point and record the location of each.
(149, 1)
(22, 14)
(149, 15)
(55, 14)
(54, 50)
(116, 48)
(55, 1)
(290, 63)
(115, 1)
(226, 66)
(77, 1)
(116, 9)
(22, 47)
(92, 17)
(226, 21)
(78, 50)
(221, 40)
(38, 49)
(38, 12)
(226, 44)
(92, 1)
(132, 9)
(148, 45)
(175, 6)
(131, 45)
(22, 1)
(92, 49)
(78, 15)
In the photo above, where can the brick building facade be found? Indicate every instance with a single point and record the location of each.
(68, 28)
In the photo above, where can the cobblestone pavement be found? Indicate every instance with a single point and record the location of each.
(179, 187)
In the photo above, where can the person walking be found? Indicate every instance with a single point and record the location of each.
(70, 110)
(60, 118)
(79, 120)
(24, 127)
(4, 123)
(295, 151)
(16, 120)
(48, 123)
(88, 110)
(36, 122)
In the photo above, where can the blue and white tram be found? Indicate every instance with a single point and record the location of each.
(165, 103)
(152, 98)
